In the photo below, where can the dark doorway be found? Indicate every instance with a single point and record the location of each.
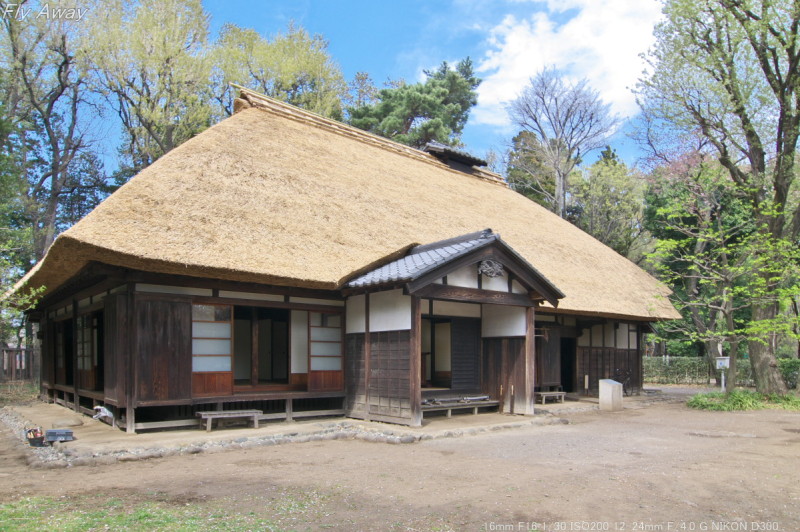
(261, 346)
(451, 353)
(465, 358)
(568, 346)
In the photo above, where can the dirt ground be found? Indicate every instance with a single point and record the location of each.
(663, 467)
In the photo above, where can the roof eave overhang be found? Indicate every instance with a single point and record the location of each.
(539, 287)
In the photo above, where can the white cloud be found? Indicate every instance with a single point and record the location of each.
(600, 41)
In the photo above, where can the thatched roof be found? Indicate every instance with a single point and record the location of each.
(280, 196)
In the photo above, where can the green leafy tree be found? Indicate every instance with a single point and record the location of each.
(294, 67)
(150, 61)
(703, 251)
(608, 203)
(415, 114)
(729, 69)
(16, 247)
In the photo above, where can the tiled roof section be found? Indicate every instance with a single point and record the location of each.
(423, 259)
(437, 149)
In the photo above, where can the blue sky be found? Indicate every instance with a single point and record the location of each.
(508, 40)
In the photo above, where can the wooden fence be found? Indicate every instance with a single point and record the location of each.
(17, 364)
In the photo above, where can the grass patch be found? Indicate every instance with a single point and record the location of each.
(17, 392)
(96, 513)
(743, 400)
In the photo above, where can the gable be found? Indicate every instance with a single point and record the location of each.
(463, 267)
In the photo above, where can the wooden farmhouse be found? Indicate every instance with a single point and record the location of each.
(284, 262)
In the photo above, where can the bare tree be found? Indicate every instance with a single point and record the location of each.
(567, 120)
(46, 93)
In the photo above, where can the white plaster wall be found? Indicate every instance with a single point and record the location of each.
(355, 315)
(583, 339)
(503, 320)
(425, 305)
(466, 276)
(597, 335)
(443, 346)
(452, 308)
(497, 284)
(622, 336)
(633, 339)
(299, 341)
(608, 334)
(389, 311)
(517, 288)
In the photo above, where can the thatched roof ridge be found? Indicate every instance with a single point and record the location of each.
(274, 196)
(248, 98)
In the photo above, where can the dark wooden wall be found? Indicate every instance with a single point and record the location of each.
(503, 365)
(164, 349)
(603, 363)
(389, 374)
(383, 391)
(212, 383)
(465, 367)
(325, 381)
(355, 385)
(117, 341)
(548, 359)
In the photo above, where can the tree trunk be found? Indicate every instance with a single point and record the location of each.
(730, 384)
(561, 194)
(762, 355)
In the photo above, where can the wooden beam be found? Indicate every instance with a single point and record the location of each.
(415, 365)
(319, 413)
(530, 360)
(246, 302)
(165, 424)
(234, 286)
(472, 295)
(92, 279)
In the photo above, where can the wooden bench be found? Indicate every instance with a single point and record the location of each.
(544, 395)
(450, 406)
(211, 415)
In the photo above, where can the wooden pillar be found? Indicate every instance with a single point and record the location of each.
(130, 359)
(75, 375)
(130, 420)
(289, 409)
(254, 346)
(527, 406)
(367, 352)
(415, 365)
